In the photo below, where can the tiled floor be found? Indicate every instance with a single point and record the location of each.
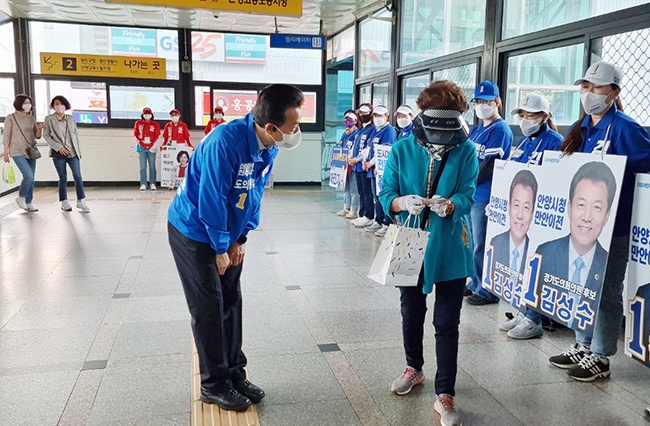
(94, 328)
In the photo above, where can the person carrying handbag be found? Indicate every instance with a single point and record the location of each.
(19, 140)
(62, 137)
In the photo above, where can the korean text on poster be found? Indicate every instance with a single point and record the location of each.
(173, 164)
(381, 154)
(339, 171)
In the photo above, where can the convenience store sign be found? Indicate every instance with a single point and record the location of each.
(103, 66)
(265, 7)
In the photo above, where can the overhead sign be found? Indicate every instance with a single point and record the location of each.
(135, 42)
(245, 49)
(298, 41)
(266, 7)
(103, 66)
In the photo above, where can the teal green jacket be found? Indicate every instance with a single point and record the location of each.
(449, 253)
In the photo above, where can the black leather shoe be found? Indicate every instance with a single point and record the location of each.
(249, 390)
(228, 399)
(477, 300)
(467, 292)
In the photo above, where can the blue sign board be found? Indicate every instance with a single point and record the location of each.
(131, 41)
(298, 41)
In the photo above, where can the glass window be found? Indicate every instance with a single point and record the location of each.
(550, 73)
(202, 110)
(238, 103)
(380, 94)
(88, 99)
(7, 50)
(630, 51)
(7, 90)
(411, 88)
(465, 77)
(435, 28)
(127, 102)
(343, 45)
(375, 35)
(523, 17)
(365, 95)
(101, 40)
(249, 59)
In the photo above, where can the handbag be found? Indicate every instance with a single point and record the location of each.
(32, 150)
(8, 175)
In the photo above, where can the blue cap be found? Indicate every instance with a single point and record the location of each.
(486, 91)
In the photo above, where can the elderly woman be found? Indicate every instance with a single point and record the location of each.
(432, 174)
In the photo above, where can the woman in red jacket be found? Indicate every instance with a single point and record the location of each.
(218, 119)
(176, 132)
(147, 132)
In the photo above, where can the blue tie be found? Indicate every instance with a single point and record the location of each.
(578, 264)
(515, 257)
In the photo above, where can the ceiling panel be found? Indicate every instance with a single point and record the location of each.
(334, 14)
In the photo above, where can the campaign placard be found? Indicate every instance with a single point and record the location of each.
(549, 231)
(381, 154)
(637, 286)
(173, 164)
(339, 170)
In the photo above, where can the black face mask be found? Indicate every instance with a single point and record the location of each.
(365, 118)
(440, 127)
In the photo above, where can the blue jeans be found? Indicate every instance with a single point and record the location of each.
(59, 165)
(446, 319)
(478, 221)
(351, 197)
(609, 318)
(147, 157)
(27, 167)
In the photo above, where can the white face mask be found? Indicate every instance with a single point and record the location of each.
(27, 107)
(593, 103)
(289, 141)
(530, 127)
(403, 122)
(175, 119)
(218, 116)
(59, 109)
(484, 111)
(379, 121)
(147, 116)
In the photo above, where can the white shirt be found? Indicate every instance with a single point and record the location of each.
(588, 258)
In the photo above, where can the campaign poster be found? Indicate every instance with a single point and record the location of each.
(637, 288)
(339, 170)
(549, 231)
(173, 164)
(381, 154)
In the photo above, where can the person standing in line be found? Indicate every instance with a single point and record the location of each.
(435, 168)
(216, 206)
(605, 129)
(404, 115)
(351, 196)
(385, 134)
(63, 138)
(19, 142)
(216, 120)
(147, 132)
(176, 132)
(493, 140)
(359, 154)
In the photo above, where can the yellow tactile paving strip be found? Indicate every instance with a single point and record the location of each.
(210, 414)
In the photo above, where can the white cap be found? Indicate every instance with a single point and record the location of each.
(351, 115)
(404, 109)
(532, 102)
(603, 73)
(364, 109)
(382, 110)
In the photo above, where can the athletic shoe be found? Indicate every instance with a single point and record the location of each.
(511, 323)
(382, 231)
(31, 207)
(81, 205)
(352, 215)
(362, 222)
(404, 383)
(526, 329)
(65, 206)
(21, 203)
(343, 212)
(569, 358)
(373, 227)
(446, 409)
(153, 186)
(590, 368)
(143, 187)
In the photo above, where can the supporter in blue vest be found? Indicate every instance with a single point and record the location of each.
(384, 135)
(605, 129)
(493, 140)
(404, 115)
(351, 196)
(359, 155)
(216, 206)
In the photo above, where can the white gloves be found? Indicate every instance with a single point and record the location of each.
(411, 203)
(439, 205)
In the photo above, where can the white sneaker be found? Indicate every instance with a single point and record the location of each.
(373, 227)
(382, 231)
(352, 215)
(526, 329)
(446, 409)
(143, 187)
(81, 205)
(21, 203)
(153, 186)
(31, 208)
(65, 206)
(343, 212)
(512, 323)
(362, 222)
